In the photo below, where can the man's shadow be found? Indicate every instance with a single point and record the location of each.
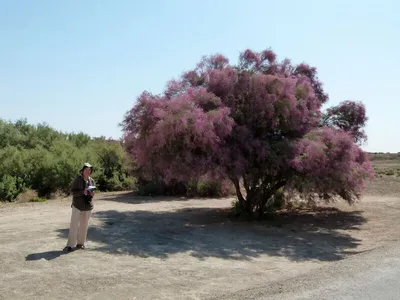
(48, 255)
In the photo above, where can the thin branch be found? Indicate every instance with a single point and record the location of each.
(246, 184)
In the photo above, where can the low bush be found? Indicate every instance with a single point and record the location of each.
(207, 187)
(203, 187)
(45, 160)
(10, 187)
(38, 199)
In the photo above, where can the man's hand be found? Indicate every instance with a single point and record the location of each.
(85, 191)
(91, 194)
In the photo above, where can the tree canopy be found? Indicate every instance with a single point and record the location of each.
(258, 123)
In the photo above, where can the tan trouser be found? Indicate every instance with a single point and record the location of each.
(78, 227)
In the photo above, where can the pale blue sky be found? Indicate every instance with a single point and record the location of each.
(79, 65)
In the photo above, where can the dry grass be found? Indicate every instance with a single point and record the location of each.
(26, 196)
(387, 171)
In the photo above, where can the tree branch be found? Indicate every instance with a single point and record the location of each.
(238, 192)
(246, 184)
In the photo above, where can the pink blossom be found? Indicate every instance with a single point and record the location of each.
(260, 119)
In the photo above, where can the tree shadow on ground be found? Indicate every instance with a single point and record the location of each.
(204, 232)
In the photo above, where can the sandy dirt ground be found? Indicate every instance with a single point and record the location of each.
(170, 248)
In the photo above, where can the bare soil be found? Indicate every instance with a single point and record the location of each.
(171, 248)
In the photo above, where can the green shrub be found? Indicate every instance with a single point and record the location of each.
(389, 172)
(38, 199)
(236, 210)
(203, 187)
(10, 187)
(278, 201)
(151, 188)
(209, 187)
(128, 182)
(47, 161)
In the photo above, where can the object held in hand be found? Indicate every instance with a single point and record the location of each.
(91, 188)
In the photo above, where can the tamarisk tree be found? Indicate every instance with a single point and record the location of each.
(259, 123)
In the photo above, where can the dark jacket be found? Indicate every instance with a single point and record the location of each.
(79, 199)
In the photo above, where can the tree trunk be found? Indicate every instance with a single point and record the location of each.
(263, 201)
(249, 204)
(252, 199)
(246, 184)
(256, 198)
(246, 205)
(242, 201)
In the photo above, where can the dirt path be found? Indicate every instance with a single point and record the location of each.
(176, 248)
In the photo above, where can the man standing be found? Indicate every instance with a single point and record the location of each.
(82, 206)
